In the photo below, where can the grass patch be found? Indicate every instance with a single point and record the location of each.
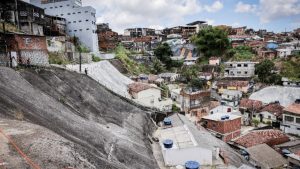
(95, 58)
(56, 58)
(291, 69)
(132, 66)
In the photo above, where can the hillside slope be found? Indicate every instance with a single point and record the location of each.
(106, 74)
(108, 132)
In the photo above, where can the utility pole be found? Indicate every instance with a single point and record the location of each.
(17, 14)
(79, 60)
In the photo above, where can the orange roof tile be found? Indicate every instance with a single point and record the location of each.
(293, 108)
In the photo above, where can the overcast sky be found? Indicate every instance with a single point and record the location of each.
(274, 15)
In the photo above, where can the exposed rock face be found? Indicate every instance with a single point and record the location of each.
(285, 95)
(108, 131)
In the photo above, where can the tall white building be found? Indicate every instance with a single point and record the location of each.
(81, 20)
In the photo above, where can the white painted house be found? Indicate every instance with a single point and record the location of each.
(149, 95)
(284, 52)
(81, 21)
(231, 97)
(291, 119)
(240, 69)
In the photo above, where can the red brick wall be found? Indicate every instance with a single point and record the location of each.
(27, 42)
(231, 136)
(224, 127)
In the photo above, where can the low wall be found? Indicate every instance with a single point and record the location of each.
(35, 57)
(85, 57)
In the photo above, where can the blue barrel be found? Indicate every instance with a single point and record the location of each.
(192, 165)
(168, 143)
(223, 118)
(227, 117)
(167, 122)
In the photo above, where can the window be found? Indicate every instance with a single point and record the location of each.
(298, 120)
(246, 72)
(80, 30)
(86, 11)
(289, 118)
(87, 20)
(73, 13)
(238, 72)
(68, 4)
(79, 12)
(70, 30)
(75, 30)
(245, 65)
(87, 29)
(239, 65)
(51, 7)
(269, 117)
(69, 13)
(61, 14)
(60, 6)
(69, 22)
(79, 21)
(56, 7)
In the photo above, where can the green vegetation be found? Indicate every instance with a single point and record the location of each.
(264, 70)
(133, 67)
(163, 52)
(165, 90)
(255, 122)
(211, 42)
(157, 67)
(95, 58)
(241, 53)
(197, 83)
(175, 108)
(190, 73)
(57, 58)
(291, 69)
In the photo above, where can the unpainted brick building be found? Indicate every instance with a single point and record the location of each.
(225, 126)
(28, 49)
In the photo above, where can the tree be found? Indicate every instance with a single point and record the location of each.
(157, 67)
(190, 73)
(197, 83)
(163, 52)
(211, 42)
(264, 70)
(255, 122)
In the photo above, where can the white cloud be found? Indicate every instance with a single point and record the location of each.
(122, 14)
(210, 21)
(278, 9)
(216, 6)
(245, 8)
(236, 24)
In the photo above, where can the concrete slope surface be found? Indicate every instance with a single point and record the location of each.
(106, 74)
(108, 131)
(285, 95)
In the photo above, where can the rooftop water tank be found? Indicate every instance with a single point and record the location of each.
(192, 165)
(223, 118)
(167, 122)
(168, 143)
(227, 117)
